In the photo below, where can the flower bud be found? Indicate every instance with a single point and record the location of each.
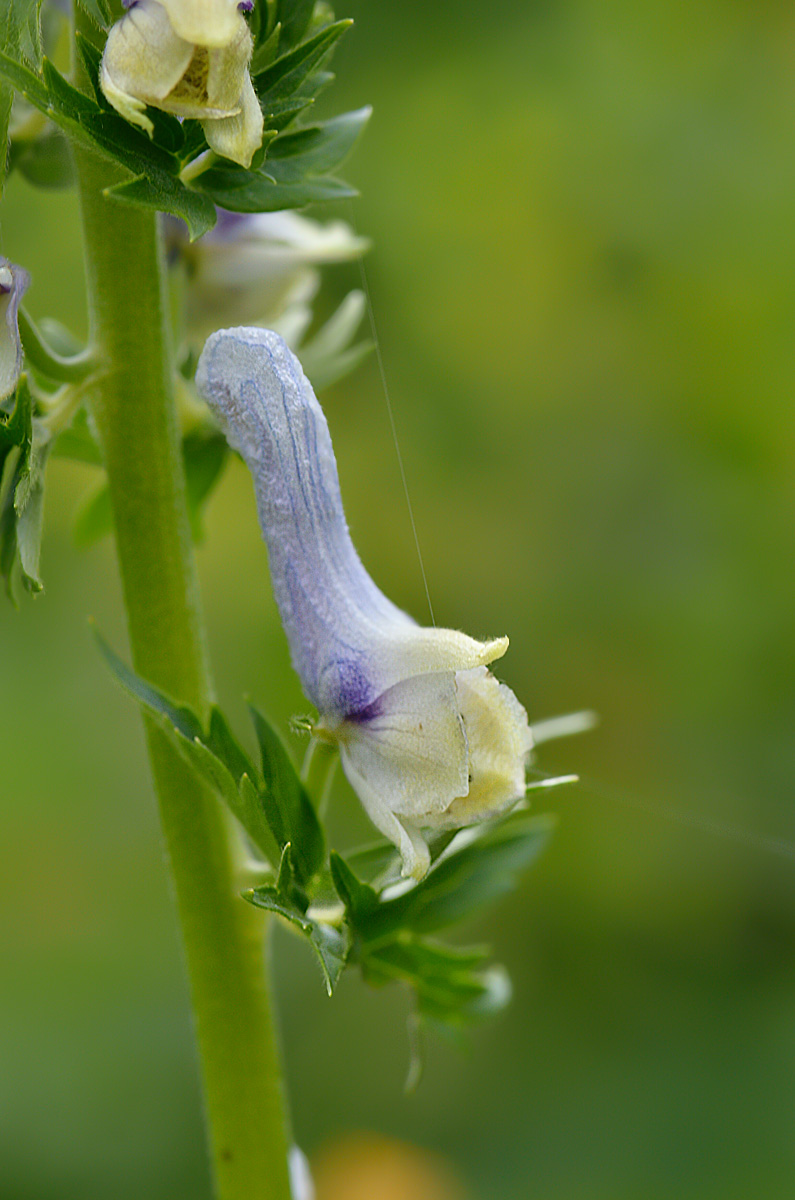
(257, 269)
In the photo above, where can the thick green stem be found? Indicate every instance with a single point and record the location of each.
(134, 411)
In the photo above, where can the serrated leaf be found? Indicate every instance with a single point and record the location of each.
(197, 211)
(20, 34)
(223, 764)
(91, 59)
(154, 167)
(466, 880)
(329, 943)
(98, 11)
(297, 818)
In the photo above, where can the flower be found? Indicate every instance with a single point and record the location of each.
(13, 284)
(428, 737)
(257, 269)
(190, 58)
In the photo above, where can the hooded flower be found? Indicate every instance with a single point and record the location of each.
(13, 284)
(427, 736)
(257, 269)
(190, 58)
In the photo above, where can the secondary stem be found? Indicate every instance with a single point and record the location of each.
(223, 937)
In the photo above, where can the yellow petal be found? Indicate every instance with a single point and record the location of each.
(205, 22)
(143, 61)
(499, 741)
(238, 137)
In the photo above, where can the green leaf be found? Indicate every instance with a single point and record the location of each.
(466, 880)
(289, 72)
(329, 943)
(204, 453)
(297, 168)
(274, 811)
(44, 162)
(317, 149)
(450, 985)
(29, 506)
(6, 98)
(265, 51)
(98, 11)
(24, 448)
(294, 818)
(20, 34)
(360, 900)
(168, 195)
(294, 17)
(154, 166)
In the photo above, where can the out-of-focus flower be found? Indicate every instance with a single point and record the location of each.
(13, 284)
(427, 736)
(257, 269)
(190, 58)
(301, 1184)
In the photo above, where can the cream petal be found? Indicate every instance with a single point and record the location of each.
(410, 746)
(238, 137)
(129, 107)
(402, 833)
(227, 72)
(499, 741)
(205, 22)
(143, 61)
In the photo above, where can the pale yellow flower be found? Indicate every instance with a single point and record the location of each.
(190, 58)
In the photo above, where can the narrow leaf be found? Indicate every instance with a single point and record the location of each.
(328, 942)
(290, 71)
(299, 824)
(197, 211)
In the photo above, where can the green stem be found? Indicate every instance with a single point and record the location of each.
(133, 408)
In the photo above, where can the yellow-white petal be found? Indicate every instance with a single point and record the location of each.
(205, 22)
(499, 741)
(227, 71)
(143, 61)
(240, 136)
(401, 833)
(410, 746)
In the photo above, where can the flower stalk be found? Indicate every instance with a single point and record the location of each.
(223, 938)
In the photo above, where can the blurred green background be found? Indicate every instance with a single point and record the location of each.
(584, 287)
